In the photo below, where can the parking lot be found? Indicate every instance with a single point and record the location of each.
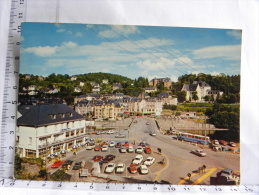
(82, 154)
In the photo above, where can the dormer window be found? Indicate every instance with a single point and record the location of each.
(52, 116)
(69, 114)
(61, 115)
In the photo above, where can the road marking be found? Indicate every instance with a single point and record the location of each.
(204, 176)
(200, 179)
(158, 175)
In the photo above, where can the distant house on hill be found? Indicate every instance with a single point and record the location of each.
(73, 78)
(116, 86)
(199, 88)
(105, 81)
(77, 90)
(165, 81)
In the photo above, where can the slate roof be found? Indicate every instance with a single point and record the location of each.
(40, 115)
(191, 87)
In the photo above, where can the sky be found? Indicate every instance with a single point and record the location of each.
(131, 51)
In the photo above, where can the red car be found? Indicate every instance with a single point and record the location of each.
(97, 148)
(57, 163)
(97, 158)
(126, 144)
(133, 168)
(223, 142)
(148, 150)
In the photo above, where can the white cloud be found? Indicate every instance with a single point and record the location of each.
(69, 44)
(235, 33)
(118, 30)
(228, 52)
(41, 51)
(60, 30)
(78, 34)
(89, 26)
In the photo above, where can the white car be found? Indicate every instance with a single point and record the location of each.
(149, 161)
(104, 148)
(123, 149)
(130, 149)
(139, 150)
(232, 144)
(112, 144)
(110, 168)
(137, 160)
(143, 169)
(199, 152)
(120, 168)
(110, 132)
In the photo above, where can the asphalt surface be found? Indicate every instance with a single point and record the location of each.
(176, 155)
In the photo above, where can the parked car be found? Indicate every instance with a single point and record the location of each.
(130, 149)
(90, 146)
(120, 168)
(118, 145)
(57, 163)
(108, 158)
(150, 160)
(97, 148)
(67, 164)
(199, 152)
(142, 144)
(223, 142)
(148, 150)
(143, 169)
(83, 173)
(110, 132)
(232, 144)
(147, 123)
(139, 150)
(126, 144)
(137, 160)
(153, 133)
(110, 168)
(216, 142)
(120, 136)
(77, 166)
(97, 158)
(104, 148)
(123, 149)
(112, 144)
(133, 168)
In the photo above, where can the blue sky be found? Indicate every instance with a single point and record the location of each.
(130, 51)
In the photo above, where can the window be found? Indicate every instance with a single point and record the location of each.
(61, 115)
(67, 134)
(45, 129)
(30, 140)
(52, 116)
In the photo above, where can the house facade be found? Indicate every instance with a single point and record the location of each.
(48, 128)
(200, 88)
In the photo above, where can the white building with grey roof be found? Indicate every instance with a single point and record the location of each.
(48, 128)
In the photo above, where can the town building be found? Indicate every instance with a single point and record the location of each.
(116, 86)
(167, 98)
(165, 81)
(150, 89)
(200, 88)
(73, 78)
(48, 128)
(105, 81)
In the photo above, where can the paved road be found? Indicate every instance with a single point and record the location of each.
(179, 160)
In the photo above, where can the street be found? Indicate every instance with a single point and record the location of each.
(176, 155)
